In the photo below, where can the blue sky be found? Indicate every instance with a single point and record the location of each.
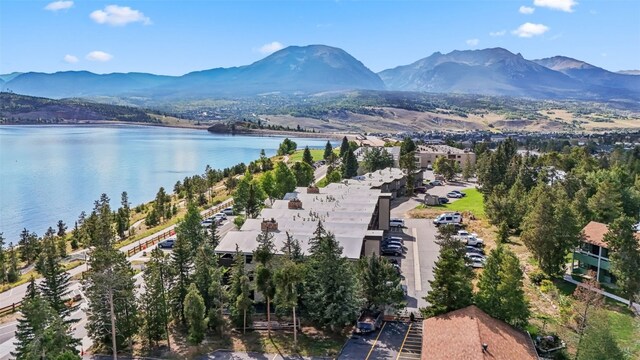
(176, 37)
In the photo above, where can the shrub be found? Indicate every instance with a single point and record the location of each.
(537, 277)
(547, 286)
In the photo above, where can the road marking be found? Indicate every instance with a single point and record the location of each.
(416, 261)
(9, 324)
(274, 357)
(375, 341)
(403, 341)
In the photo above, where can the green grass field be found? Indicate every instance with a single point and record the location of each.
(474, 202)
(315, 153)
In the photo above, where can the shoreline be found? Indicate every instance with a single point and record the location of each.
(248, 132)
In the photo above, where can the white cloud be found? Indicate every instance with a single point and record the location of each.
(563, 5)
(526, 10)
(99, 56)
(71, 59)
(59, 5)
(473, 42)
(271, 47)
(498, 33)
(528, 30)
(115, 15)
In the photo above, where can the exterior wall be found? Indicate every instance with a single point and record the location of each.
(429, 158)
(371, 246)
(592, 257)
(384, 213)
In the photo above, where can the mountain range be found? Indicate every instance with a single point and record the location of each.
(319, 68)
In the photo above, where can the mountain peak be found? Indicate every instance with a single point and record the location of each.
(561, 63)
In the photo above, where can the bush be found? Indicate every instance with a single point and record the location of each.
(537, 277)
(547, 286)
(239, 221)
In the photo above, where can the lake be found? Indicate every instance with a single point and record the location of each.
(55, 172)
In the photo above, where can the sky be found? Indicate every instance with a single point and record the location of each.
(176, 37)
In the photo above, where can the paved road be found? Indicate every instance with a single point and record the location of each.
(16, 294)
(383, 344)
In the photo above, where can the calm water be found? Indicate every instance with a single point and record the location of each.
(55, 172)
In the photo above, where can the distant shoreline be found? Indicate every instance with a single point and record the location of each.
(246, 132)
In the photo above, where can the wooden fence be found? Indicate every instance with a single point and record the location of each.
(10, 309)
(167, 234)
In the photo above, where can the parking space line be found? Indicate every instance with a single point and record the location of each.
(403, 341)
(376, 340)
(416, 261)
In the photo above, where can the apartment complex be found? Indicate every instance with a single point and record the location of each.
(427, 155)
(389, 180)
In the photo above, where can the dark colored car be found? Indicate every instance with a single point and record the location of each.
(443, 200)
(420, 190)
(167, 244)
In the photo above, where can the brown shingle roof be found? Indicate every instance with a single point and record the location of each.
(594, 233)
(460, 334)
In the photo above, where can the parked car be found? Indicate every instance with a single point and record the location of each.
(475, 257)
(474, 264)
(228, 211)
(475, 250)
(436, 183)
(429, 167)
(474, 241)
(448, 219)
(420, 190)
(394, 261)
(396, 222)
(443, 200)
(167, 244)
(391, 249)
(388, 242)
(368, 321)
(394, 238)
(220, 216)
(206, 222)
(454, 195)
(459, 192)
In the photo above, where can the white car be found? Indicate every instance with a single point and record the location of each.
(396, 223)
(454, 195)
(220, 216)
(448, 219)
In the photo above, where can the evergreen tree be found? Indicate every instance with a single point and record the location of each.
(344, 147)
(518, 203)
(264, 254)
(606, 203)
(154, 303)
(499, 208)
(13, 273)
(190, 228)
(328, 150)
(29, 246)
(306, 156)
(350, 165)
(55, 285)
(303, 173)
(502, 235)
(330, 285)
(500, 288)
(407, 146)
(126, 209)
(624, 250)
(451, 287)
(213, 236)
(240, 305)
(218, 294)
(41, 333)
(285, 180)
(194, 311)
(408, 165)
(249, 196)
(181, 263)
(75, 237)
(269, 185)
(445, 167)
(381, 285)
(467, 170)
(3, 261)
(62, 229)
(288, 279)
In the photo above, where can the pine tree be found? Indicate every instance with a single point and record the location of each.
(344, 147)
(29, 246)
(407, 146)
(500, 288)
(194, 312)
(56, 281)
(303, 173)
(268, 185)
(306, 156)
(330, 283)
(380, 283)
(288, 279)
(218, 294)
(13, 273)
(41, 333)
(154, 303)
(467, 170)
(606, 203)
(624, 250)
(62, 229)
(181, 263)
(190, 228)
(249, 196)
(240, 288)
(126, 209)
(451, 287)
(3, 261)
(350, 166)
(264, 254)
(408, 165)
(328, 150)
(213, 237)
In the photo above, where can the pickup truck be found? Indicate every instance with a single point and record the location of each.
(368, 321)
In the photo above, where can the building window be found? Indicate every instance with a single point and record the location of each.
(248, 259)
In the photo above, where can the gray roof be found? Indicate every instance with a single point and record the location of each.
(377, 178)
(344, 209)
(441, 149)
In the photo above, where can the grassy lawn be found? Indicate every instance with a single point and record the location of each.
(316, 154)
(474, 202)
